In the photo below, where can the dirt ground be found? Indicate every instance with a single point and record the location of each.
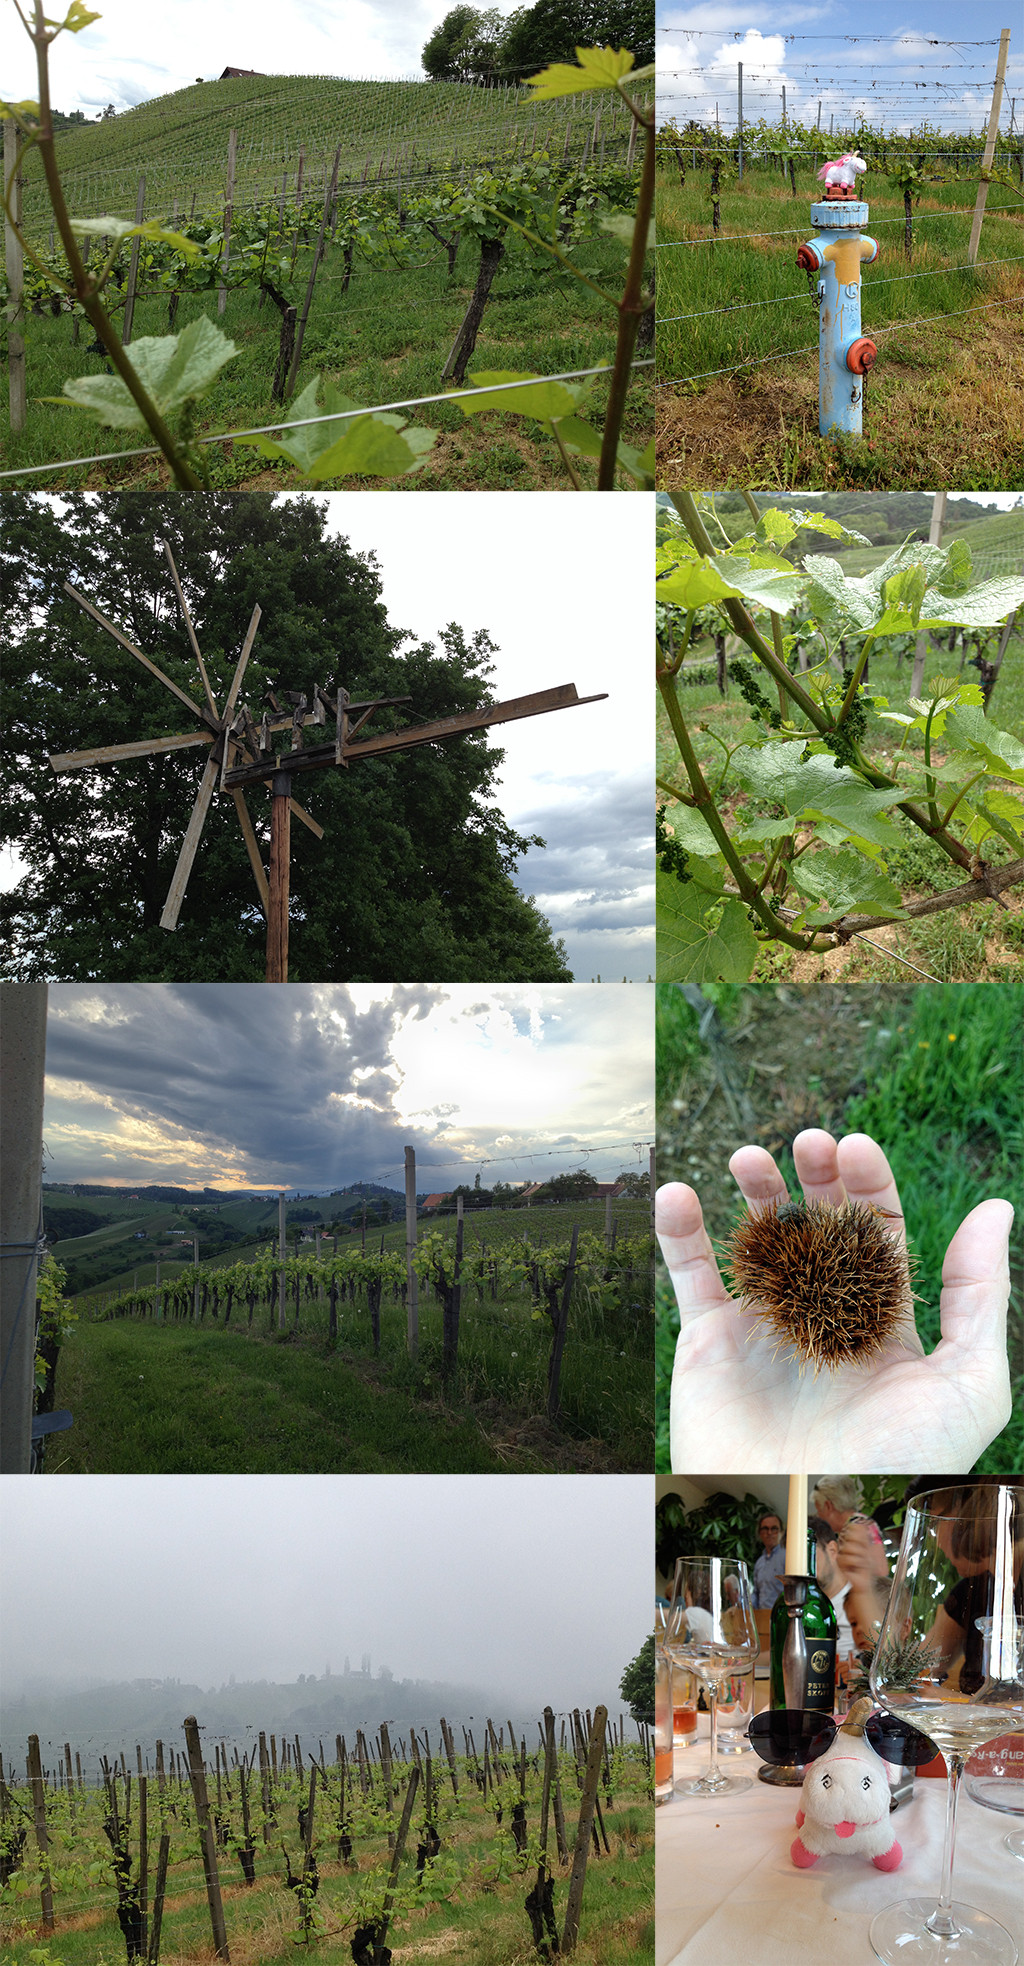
(794, 1056)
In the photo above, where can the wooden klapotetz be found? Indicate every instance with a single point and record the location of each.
(242, 754)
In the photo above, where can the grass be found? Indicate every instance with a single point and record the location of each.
(385, 340)
(176, 1397)
(467, 1910)
(944, 403)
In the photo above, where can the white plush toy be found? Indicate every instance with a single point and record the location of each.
(844, 1802)
(844, 172)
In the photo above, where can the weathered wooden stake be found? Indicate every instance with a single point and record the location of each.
(35, 1776)
(197, 1777)
(229, 206)
(133, 266)
(571, 1928)
(412, 1281)
(17, 398)
(990, 146)
(280, 848)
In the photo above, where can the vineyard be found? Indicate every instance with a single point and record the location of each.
(489, 243)
(737, 321)
(532, 1347)
(499, 1852)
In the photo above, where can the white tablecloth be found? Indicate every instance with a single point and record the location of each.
(729, 1895)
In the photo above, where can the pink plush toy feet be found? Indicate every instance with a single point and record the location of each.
(845, 1801)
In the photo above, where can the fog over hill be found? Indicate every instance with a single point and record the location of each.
(114, 1718)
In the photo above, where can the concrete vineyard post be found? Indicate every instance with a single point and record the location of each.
(990, 145)
(22, 1062)
(197, 1778)
(412, 1281)
(15, 283)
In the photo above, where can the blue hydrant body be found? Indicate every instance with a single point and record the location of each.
(845, 354)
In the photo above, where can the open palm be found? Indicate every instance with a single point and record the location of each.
(740, 1406)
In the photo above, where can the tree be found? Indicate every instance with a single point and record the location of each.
(568, 1187)
(413, 877)
(553, 30)
(637, 1684)
(446, 56)
(635, 1187)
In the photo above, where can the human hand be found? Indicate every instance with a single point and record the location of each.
(739, 1406)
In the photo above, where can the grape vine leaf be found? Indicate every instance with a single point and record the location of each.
(374, 444)
(818, 788)
(776, 528)
(698, 943)
(545, 401)
(843, 882)
(891, 601)
(599, 68)
(692, 832)
(173, 369)
(969, 727)
(123, 228)
(768, 582)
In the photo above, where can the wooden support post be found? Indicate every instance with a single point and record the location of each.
(412, 1281)
(558, 1344)
(15, 282)
(282, 1253)
(22, 1062)
(300, 326)
(197, 1778)
(229, 206)
(571, 1928)
(35, 1777)
(133, 266)
(280, 848)
(990, 146)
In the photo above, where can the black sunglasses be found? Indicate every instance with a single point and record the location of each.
(787, 1739)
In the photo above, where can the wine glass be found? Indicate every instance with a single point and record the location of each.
(712, 1630)
(950, 1660)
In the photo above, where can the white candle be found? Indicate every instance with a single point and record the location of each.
(796, 1527)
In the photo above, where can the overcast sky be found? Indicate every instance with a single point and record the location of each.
(321, 1085)
(562, 585)
(538, 1584)
(872, 61)
(127, 56)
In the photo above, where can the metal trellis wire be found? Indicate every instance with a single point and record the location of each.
(893, 327)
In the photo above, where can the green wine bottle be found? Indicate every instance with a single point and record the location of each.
(812, 1656)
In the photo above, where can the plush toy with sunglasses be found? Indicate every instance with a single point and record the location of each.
(844, 1802)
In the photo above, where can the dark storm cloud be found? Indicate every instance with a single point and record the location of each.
(599, 840)
(247, 1069)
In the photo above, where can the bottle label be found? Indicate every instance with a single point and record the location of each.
(821, 1675)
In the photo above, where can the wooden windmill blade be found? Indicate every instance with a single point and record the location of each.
(212, 776)
(183, 604)
(140, 747)
(197, 709)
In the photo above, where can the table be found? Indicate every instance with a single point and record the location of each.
(728, 1894)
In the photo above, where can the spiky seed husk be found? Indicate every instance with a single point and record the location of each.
(829, 1279)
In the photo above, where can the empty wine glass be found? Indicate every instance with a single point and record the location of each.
(712, 1630)
(950, 1660)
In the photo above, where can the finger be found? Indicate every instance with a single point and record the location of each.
(976, 1280)
(867, 1177)
(816, 1160)
(686, 1247)
(757, 1177)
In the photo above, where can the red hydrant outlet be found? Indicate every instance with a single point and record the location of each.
(861, 355)
(808, 259)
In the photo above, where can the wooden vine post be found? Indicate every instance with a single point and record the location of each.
(412, 1281)
(133, 267)
(197, 1777)
(990, 147)
(233, 733)
(577, 1877)
(229, 207)
(561, 1327)
(38, 1788)
(16, 393)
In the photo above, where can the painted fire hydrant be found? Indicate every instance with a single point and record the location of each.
(840, 245)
